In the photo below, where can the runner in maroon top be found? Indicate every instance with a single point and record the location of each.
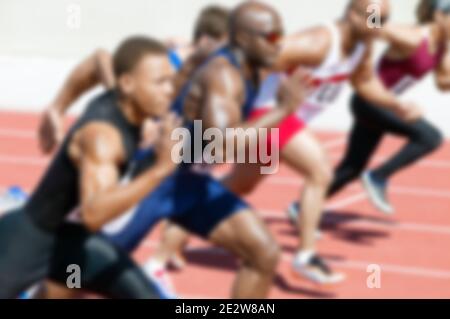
(415, 51)
(400, 75)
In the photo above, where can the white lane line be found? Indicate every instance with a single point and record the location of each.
(24, 160)
(395, 269)
(348, 264)
(417, 191)
(428, 192)
(346, 201)
(15, 133)
(334, 143)
(412, 227)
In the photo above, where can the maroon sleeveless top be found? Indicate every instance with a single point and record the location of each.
(400, 75)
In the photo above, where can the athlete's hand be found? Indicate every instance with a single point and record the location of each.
(409, 112)
(294, 90)
(165, 144)
(51, 130)
(150, 133)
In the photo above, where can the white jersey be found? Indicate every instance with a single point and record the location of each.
(328, 78)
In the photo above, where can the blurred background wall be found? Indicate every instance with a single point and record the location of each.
(41, 40)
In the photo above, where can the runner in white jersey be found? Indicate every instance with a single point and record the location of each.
(335, 53)
(328, 79)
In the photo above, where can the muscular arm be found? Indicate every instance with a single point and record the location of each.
(403, 40)
(98, 152)
(368, 85)
(95, 69)
(442, 74)
(307, 48)
(221, 105)
(223, 98)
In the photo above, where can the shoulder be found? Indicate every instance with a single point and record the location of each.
(307, 47)
(221, 74)
(402, 39)
(98, 141)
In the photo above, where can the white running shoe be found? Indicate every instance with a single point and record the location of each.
(317, 271)
(161, 278)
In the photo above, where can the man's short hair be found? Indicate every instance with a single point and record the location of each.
(212, 22)
(132, 50)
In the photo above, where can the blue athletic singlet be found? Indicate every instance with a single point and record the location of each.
(196, 201)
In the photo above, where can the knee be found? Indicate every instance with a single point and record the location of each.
(321, 175)
(100, 250)
(267, 256)
(436, 139)
(432, 139)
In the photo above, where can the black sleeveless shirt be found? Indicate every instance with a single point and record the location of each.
(59, 191)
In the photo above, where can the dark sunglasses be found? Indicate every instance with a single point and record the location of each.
(272, 37)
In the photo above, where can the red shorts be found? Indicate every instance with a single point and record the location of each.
(288, 127)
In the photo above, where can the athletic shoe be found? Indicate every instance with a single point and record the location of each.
(293, 212)
(31, 292)
(317, 271)
(12, 198)
(161, 278)
(376, 190)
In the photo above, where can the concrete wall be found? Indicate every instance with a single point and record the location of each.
(48, 27)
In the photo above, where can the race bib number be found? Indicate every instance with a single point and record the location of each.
(404, 84)
(327, 93)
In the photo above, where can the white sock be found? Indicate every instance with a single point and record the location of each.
(303, 257)
(153, 265)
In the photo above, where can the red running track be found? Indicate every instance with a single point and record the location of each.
(411, 247)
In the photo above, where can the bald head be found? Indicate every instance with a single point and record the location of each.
(253, 15)
(255, 30)
(362, 5)
(367, 17)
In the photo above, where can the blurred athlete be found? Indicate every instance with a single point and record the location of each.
(414, 52)
(85, 174)
(220, 94)
(337, 52)
(210, 33)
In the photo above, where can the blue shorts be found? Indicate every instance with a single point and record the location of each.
(195, 201)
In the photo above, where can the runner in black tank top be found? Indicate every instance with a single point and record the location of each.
(37, 241)
(64, 175)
